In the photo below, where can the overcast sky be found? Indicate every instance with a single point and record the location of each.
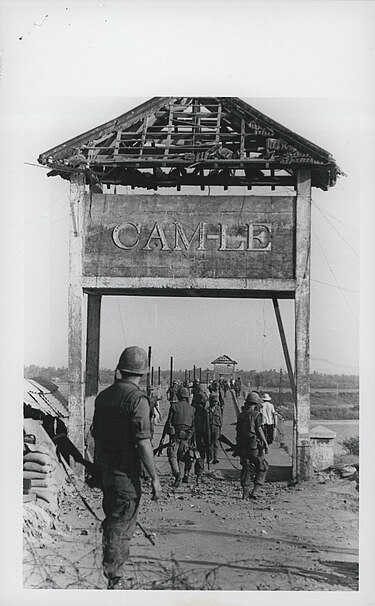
(84, 63)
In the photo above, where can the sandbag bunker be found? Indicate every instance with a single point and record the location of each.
(45, 412)
(39, 473)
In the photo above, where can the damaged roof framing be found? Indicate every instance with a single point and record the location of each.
(178, 141)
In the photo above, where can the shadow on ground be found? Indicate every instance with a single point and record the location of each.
(279, 473)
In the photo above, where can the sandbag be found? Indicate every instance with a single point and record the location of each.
(37, 475)
(41, 458)
(40, 490)
(48, 483)
(46, 449)
(43, 493)
(29, 466)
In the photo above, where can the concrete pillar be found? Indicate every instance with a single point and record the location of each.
(322, 442)
(302, 323)
(75, 318)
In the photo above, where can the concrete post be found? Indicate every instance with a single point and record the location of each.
(75, 319)
(322, 442)
(302, 323)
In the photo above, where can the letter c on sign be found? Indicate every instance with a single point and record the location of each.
(131, 240)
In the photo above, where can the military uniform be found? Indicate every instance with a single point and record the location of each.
(172, 393)
(215, 419)
(121, 418)
(251, 453)
(181, 429)
(202, 432)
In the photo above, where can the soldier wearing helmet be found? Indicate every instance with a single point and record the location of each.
(180, 427)
(215, 387)
(215, 418)
(202, 433)
(252, 445)
(121, 430)
(172, 392)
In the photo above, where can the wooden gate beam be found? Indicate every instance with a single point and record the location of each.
(92, 345)
(302, 322)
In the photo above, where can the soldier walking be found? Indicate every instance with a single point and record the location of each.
(122, 434)
(215, 418)
(172, 392)
(252, 446)
(180, 427)
(202, 433)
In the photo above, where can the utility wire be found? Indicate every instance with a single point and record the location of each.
(335, 218)
(334, 277)
(47, 224)
(334, 228)
(55, 210)
(122, 325)
(334, 286)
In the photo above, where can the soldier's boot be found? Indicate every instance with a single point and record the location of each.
(245, 492)
(199, 479)
(177, 482)
(255, 492)
(116, 583)
(185, 479)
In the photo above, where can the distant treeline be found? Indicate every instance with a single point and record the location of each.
(265, 378)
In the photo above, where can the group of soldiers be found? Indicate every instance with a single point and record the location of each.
(193, 427)
(123, 429)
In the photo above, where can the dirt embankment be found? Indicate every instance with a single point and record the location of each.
(206, 537)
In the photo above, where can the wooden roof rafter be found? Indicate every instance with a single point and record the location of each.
(223, 135)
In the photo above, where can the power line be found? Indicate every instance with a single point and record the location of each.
(334, 228)
(334, 286)
(335, 218)
(47, 224)
(334, 277)
(122, 325)
(48, 208)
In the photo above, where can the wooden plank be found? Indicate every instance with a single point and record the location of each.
(144, 131)
(135, 136)
(122, 121)
(170, 126)
(302, 322)
(196, 129)
(190, 179)
(217, 138)
(75, 315)
(117, 142)
(242, 146)
(260, 162)
(92, 345)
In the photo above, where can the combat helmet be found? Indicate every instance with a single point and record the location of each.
(133, 360)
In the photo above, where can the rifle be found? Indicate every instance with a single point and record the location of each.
(232, 447)
(160, 448)
(235, 449)
(147, 535)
